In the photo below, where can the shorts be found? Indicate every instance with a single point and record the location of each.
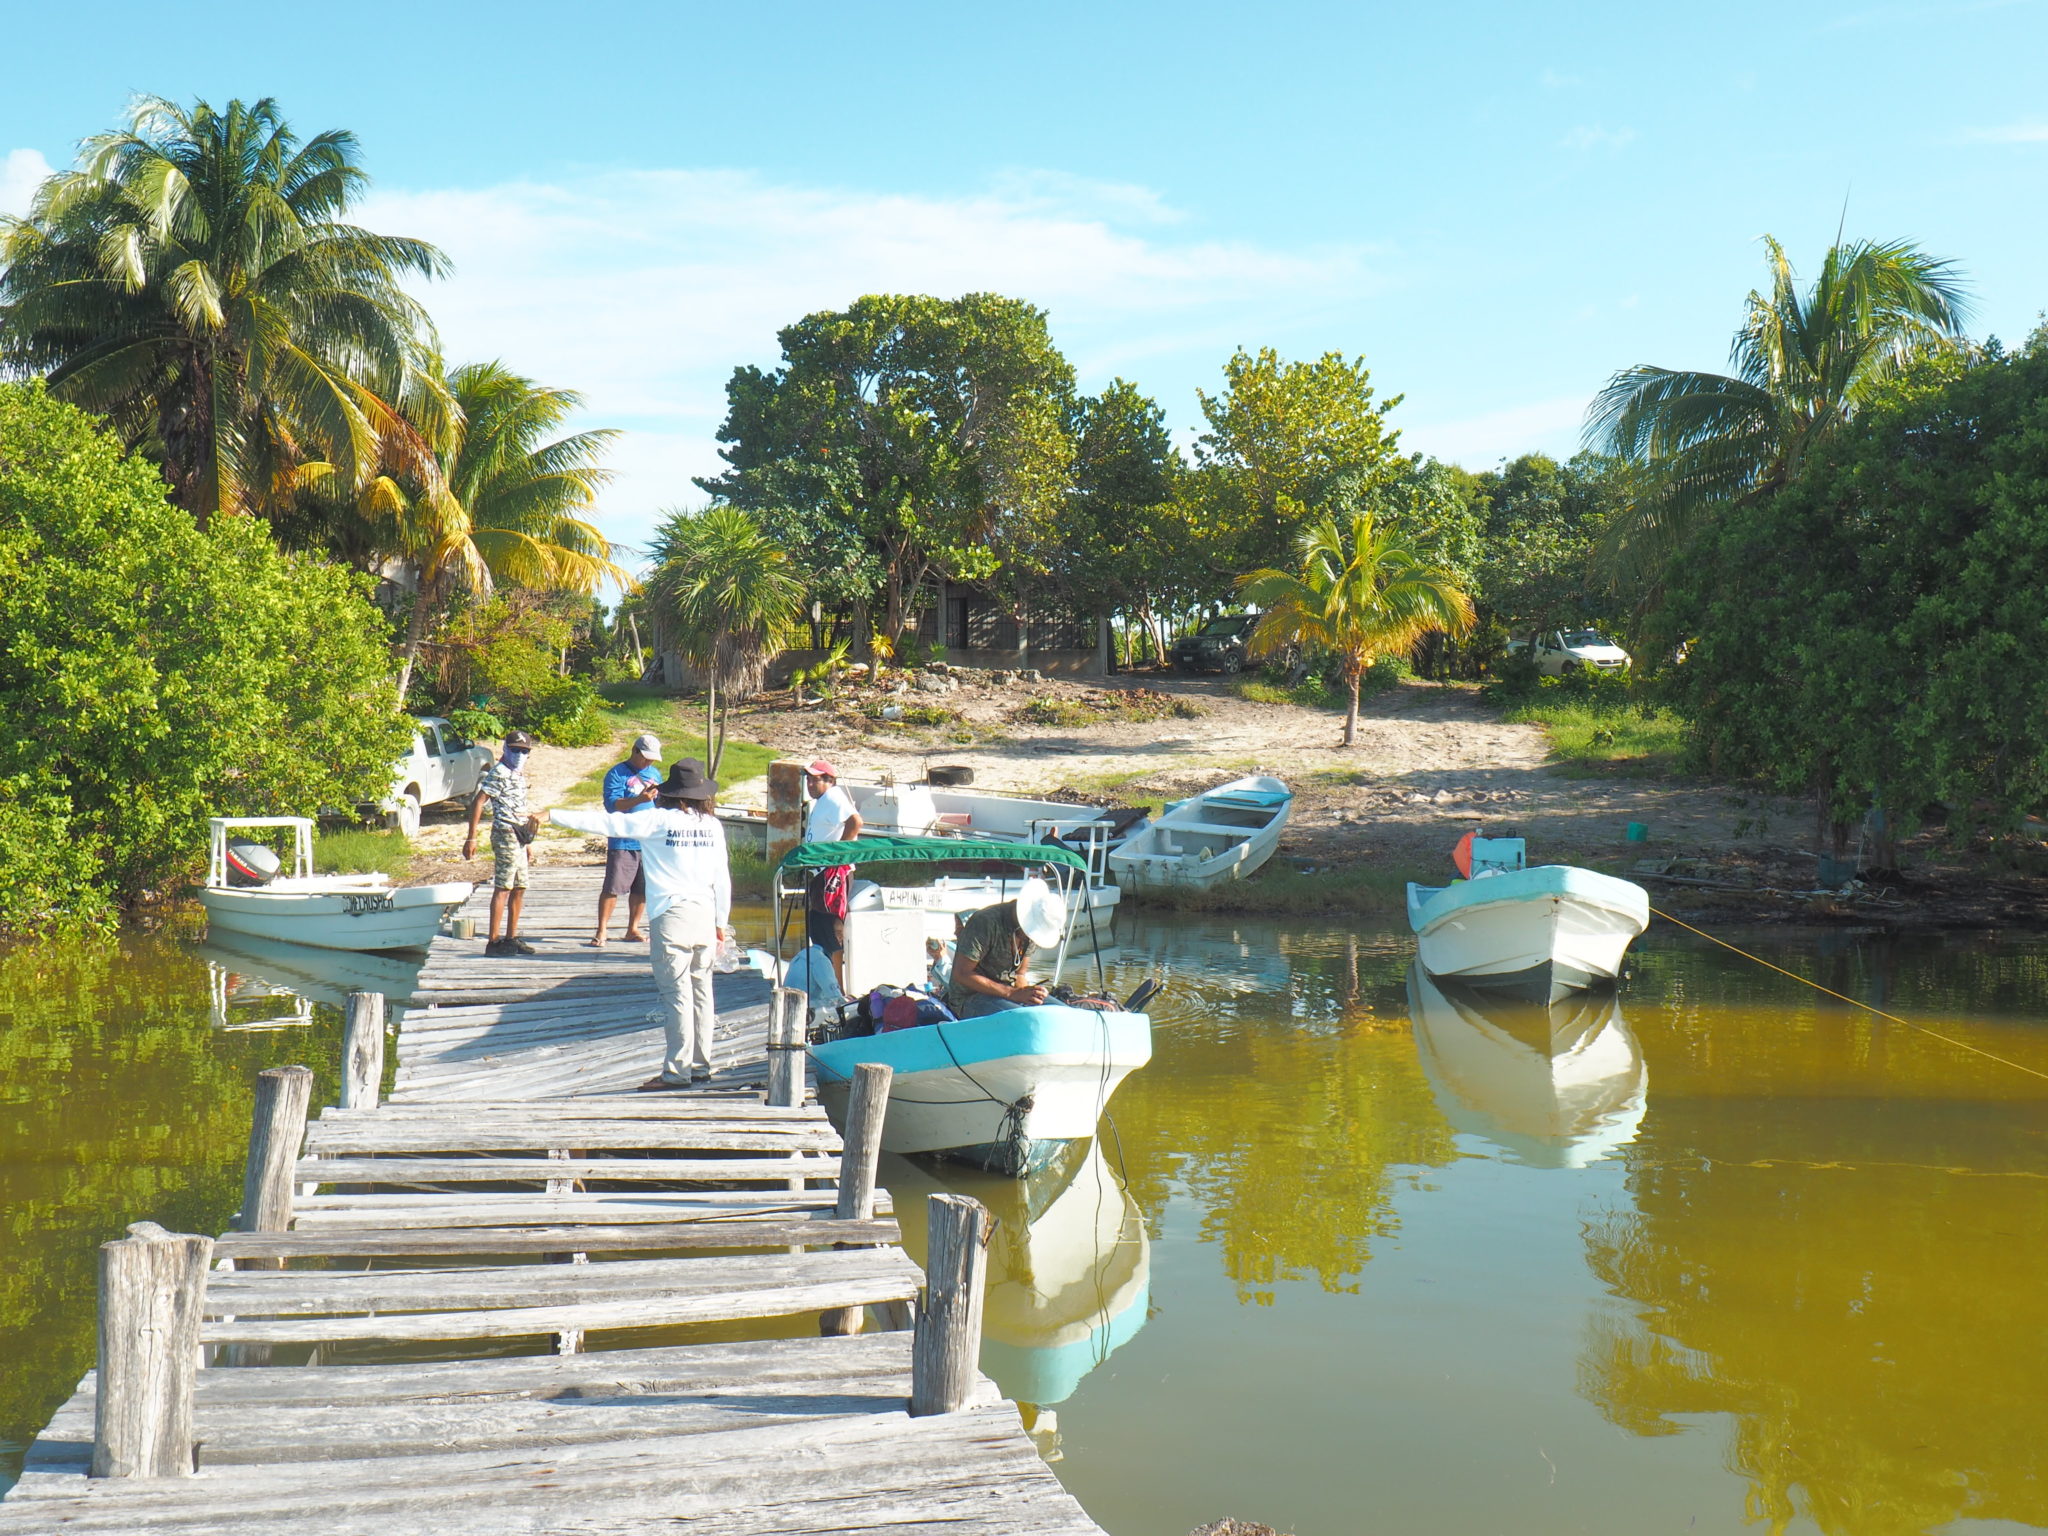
(508, 860)
(822, 928)
(623, 875)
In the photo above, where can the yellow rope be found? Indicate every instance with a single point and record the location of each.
(1948, 1039)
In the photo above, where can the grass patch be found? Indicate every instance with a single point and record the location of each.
(1141, 705)
(642, 705)
(362, 853)
(743, 760)
(1289, 889)
(914, 714)
(1590, 740)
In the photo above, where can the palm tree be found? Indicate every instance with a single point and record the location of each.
(1802, 365)
(193, 280)
(726, 590)
(504, 507)
(1364, 592)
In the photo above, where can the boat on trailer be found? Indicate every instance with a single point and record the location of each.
(246, 893)
(1532, 932)
(1222, 834)
(1008, 1091)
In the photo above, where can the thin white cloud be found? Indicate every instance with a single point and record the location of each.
(645, 289)
(1480, 442)
(1592, 136)
(21, 172)
(2009, 133)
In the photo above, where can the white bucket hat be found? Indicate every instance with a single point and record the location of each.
(1041, 913)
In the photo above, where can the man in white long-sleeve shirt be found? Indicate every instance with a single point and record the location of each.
(689, 906)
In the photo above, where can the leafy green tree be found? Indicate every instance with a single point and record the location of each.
(904, 435)
(1283, 440)
(195, 280)
(1803, 364)
(1874, 630)
(727, 591)
(153, 674)
(1542, 524)
(1364, 592)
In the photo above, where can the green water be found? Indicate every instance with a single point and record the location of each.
(1723, 1256)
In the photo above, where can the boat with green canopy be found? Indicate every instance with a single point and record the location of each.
(1008, 1090)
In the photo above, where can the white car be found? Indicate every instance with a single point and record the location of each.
(441, 766)
(1557, 649)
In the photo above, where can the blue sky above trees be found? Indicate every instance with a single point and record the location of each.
(1497, 204)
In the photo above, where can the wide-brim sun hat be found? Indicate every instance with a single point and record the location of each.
(1041, 913)
(686, 781)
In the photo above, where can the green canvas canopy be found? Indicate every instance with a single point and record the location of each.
(926, 850)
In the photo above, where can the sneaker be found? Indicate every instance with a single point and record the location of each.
(497, 949)
(520, 947)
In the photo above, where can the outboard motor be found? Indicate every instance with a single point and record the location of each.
(251, 863)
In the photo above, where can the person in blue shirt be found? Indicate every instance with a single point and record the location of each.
(627, 787)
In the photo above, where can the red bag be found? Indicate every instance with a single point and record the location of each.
(835, 886)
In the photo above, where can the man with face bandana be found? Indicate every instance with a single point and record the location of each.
(504, 789)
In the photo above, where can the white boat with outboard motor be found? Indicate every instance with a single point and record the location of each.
(1536, 932)
(1007, 1091)
(1225, 833)
(1552, 1085)
(246, 891)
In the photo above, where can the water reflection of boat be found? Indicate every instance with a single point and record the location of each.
(316, 975)
(1554, 1087)
(1069, 1277)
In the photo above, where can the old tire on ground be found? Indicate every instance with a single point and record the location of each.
(949, 778)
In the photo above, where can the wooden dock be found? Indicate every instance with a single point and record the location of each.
(513, 1193)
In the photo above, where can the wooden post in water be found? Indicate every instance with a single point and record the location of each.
(277, 1131)
(788, 1014)
(867, 1105)
(362, 1051)
(944, 1357)
(787, 805)
(152, 1293)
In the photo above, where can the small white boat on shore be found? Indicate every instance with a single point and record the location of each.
(1533, 933)
(244, 894)
(1225, 833)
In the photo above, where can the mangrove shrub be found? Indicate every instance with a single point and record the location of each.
(153, 674)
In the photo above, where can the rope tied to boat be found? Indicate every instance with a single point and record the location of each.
(2003, 1061)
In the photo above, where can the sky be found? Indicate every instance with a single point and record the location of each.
(1496, 205)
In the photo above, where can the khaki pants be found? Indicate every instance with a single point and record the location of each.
(683, 943)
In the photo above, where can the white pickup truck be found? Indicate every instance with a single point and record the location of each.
(441, 766)
(1557, 649)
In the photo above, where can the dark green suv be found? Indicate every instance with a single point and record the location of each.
(1218, 646)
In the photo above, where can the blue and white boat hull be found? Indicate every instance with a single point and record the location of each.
(1537, 933)
(1007, 1092)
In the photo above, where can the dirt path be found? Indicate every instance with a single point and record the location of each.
(1430, 763)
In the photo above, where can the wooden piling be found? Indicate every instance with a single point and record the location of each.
(867, 1105)
(276, 1132)
(788, 1017)
(787, 807)
(152, 1292)
(362, 1051)
(943, 1365)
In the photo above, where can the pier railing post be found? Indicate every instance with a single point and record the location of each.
(867, 1105)
(787, 1017)
(362, 1051)
(945, 1355)
(277, 1131)
(152, 1294)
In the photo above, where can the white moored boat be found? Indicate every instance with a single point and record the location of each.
(1225, 833)
(1552, 1085)
(1007, 1091)
(1535, 933)
(327, 911)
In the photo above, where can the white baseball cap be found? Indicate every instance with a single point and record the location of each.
(1041, 913)
(646, 745)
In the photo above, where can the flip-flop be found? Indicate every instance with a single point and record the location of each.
(592, 944)
(633, 938)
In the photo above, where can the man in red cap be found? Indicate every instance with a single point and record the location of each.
(832, 819)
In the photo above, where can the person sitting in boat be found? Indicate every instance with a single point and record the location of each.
(504, 790)
(689, 908)
(989, 959)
